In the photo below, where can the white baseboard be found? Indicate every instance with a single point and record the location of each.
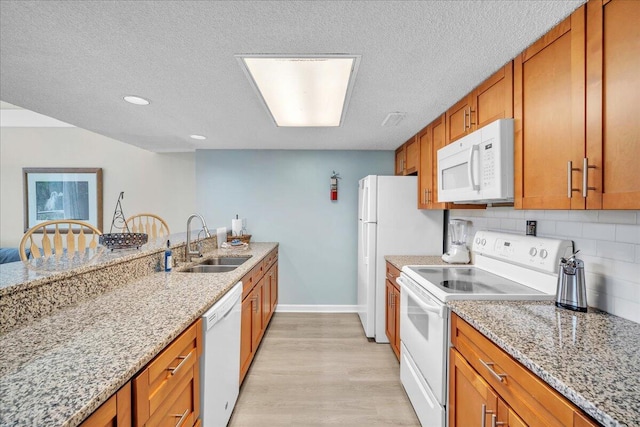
(303, 308)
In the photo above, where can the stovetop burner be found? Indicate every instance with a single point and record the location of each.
(469, 280)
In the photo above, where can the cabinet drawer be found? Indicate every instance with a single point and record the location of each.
(247, 283)
(392, 273)
(530, 397)
(181, 407)
(170, 369)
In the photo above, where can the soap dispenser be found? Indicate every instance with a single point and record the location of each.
(571, 292)
(168, 257)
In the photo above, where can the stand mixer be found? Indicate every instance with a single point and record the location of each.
(458, 251)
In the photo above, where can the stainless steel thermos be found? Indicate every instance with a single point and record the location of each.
(571, 292)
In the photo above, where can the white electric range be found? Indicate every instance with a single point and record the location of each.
(506, 267)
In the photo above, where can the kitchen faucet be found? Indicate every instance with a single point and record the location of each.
(198, 253)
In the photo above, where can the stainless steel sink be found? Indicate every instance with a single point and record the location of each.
(217, 265)
(225, 261)
(209, 269)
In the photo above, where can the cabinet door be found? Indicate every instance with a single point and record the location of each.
(472, 402)
(613, 91)
(549, 110)
(425, 167)
(115, 412)
(246, 337)
(400, 160)
(396, 324)
(493, 99)
(256, 316)
(274, 288)
(458, 119)
(266, 299)
(389, 315)
(411, 156)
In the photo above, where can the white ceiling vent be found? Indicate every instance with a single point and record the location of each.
(393, 119)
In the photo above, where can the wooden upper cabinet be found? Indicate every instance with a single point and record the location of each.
(457, 119)
(400, 160)
(613, 107)
(549, 111)
(407, 157)
(411, 149)
(490, 101)
(493, 99)
(430, 140)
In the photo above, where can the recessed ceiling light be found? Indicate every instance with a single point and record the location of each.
(199, 137)
(136, 100)
(303, 90)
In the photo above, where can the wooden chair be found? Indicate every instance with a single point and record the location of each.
(77, 234)
(148, 223)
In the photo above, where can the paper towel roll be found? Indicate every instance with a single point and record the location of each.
(236, 227)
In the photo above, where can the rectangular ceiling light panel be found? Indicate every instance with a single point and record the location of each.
(303, 90)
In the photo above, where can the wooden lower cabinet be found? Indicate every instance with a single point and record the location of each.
(477, 372)
(260, 298)
(167, 391)
(392, 311)
(115, 412)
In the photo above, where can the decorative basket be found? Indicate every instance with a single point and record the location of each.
(245, 238)
(123, 240)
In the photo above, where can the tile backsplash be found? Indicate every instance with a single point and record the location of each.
(609, 244)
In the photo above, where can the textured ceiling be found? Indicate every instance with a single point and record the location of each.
(74, 61)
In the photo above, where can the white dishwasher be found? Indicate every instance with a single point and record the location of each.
(220, 361)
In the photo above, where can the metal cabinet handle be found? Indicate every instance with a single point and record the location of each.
(585, 173)
(570, 188)
(485, 411)
(184, 359)
(489, 366)
(182, 417)
(428, 196)
(424, 198)
(495, 422)
(464, 121)
(470, 121)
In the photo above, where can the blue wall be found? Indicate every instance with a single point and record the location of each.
(284, 195)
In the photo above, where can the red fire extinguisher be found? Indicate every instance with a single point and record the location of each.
(334, 185)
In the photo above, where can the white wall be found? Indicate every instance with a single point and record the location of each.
(163, 184)
(609, 244)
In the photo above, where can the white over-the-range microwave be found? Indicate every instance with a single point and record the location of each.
(478, 168)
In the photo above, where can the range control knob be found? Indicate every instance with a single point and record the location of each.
(533, 251)
(543, 253)
(477, 240)
(484, 242)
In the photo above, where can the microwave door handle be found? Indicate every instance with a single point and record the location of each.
(470, 170)
(426, 307)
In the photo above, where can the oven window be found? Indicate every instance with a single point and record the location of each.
(418, 317)
(455, 177)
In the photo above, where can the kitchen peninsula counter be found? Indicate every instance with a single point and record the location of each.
(57, 369)
(590, 358)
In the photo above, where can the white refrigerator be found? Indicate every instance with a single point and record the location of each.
(390, 223)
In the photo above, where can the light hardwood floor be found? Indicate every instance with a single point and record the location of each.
(319, 369)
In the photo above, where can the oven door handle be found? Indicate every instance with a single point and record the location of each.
(426, 307)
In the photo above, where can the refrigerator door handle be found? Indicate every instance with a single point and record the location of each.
(365, 202)
(365, 245)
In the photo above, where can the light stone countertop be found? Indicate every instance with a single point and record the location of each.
(400, 261)
(56, 370)
(17, 276)
(593, 358)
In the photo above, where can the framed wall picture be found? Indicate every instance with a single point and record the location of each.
(62, 193)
